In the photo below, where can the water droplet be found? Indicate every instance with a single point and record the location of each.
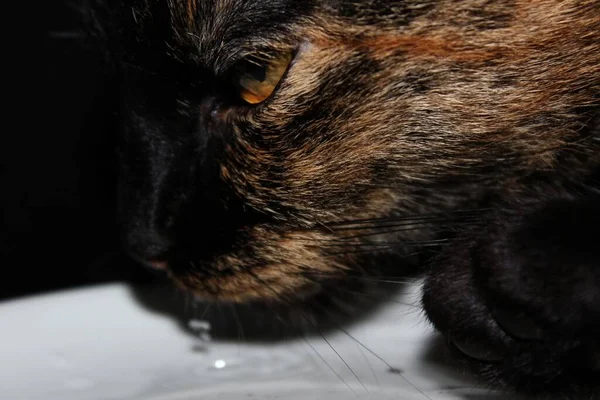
(199, 325)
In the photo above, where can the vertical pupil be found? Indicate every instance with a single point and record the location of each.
(256, 71)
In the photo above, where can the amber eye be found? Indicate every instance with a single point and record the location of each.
(257, 77)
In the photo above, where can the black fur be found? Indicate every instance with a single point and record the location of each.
(519, 296)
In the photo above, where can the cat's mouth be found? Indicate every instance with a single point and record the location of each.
(157, 264)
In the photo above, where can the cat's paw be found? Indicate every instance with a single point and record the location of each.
(520, 299)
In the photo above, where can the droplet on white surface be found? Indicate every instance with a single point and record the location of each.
(199, 325)
(219, 364)
(202, 329)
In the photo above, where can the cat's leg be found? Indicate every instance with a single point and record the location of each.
(520, 299)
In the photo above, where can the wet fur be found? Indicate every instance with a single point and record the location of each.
(391, 113)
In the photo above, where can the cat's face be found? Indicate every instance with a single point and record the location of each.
(254, 129)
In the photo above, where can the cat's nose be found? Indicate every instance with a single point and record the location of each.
(147, 248)
(155, 262)
(158, 264)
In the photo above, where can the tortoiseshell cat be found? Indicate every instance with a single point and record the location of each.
(272, 149)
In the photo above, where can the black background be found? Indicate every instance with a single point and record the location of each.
(57, 157)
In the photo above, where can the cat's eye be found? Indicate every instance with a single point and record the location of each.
(258, 77)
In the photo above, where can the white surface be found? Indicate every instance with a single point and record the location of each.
(100, 343)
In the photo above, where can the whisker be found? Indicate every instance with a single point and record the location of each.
(405, 227)
(437, 223)
(370, 366)
(385, 298)
(384, 244)
(338, 326)
(341, 358)
(330, 367)
(308, 271)
(283, 322)
(361, 278)
(392, 223)
(382, 360)
(371, 250)
(428, 216)
(355, 252)
(391, 231)
(239, 324)
(325, 226)
(346, 333)
(209, 305)
(315, 327)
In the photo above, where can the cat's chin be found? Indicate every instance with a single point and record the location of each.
(279, 309)
(270, 265)
(264, 285)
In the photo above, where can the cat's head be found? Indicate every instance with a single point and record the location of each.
(264, 139)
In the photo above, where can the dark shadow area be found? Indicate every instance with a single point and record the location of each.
(57, 158)
(339, 306)
(446, 359)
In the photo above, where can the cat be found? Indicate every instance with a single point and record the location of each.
(271, 150)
